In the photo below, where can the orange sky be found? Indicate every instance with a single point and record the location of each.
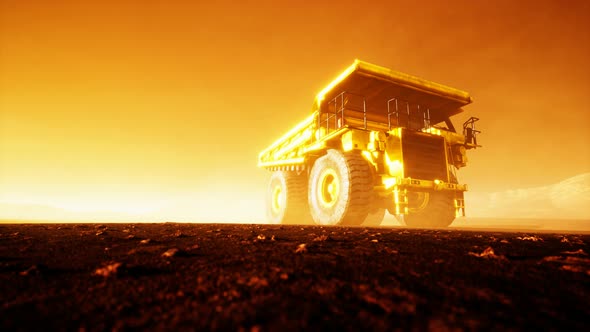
(133, 106)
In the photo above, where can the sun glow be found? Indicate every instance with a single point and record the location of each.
(229, 206)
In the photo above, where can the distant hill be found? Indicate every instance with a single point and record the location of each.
(34, 212)
(29, 212)
(568, 199)
(216, 206)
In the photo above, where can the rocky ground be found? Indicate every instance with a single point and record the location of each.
(264, 277)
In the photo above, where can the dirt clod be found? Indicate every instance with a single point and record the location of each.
(170, 252)
(301, 248)
(108, 270)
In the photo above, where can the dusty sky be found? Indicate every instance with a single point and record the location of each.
(137, 106)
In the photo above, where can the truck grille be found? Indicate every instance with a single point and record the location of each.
(424, 156)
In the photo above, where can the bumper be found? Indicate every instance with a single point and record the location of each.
(399, 189)
(392, 183)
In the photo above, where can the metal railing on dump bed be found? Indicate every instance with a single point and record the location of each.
(352, 110)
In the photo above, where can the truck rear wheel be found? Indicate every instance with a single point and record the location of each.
(375, 217)
(438, 210)
(287, 198)
(340, 188)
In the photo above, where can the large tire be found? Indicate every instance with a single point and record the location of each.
(340, 188)
(375, 217)
(438, 211)
(376, 210)
(287, 198)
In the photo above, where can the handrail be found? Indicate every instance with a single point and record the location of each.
(338, 114)
(470, 132)
(424, 116)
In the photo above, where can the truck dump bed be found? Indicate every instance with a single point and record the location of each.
(368, 93)
(378, 85)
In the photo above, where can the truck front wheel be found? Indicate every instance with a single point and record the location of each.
(437, 209)
(287, 198)
(340, 188)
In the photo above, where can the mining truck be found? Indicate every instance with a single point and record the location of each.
(377, 140)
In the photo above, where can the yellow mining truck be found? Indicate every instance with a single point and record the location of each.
(376, 140)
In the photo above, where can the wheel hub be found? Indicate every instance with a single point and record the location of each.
(329, 188)
(277, 199)
(418, 201)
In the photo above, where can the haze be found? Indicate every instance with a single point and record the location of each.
(147, 110)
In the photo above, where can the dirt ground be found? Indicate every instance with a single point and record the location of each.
(266, 277)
